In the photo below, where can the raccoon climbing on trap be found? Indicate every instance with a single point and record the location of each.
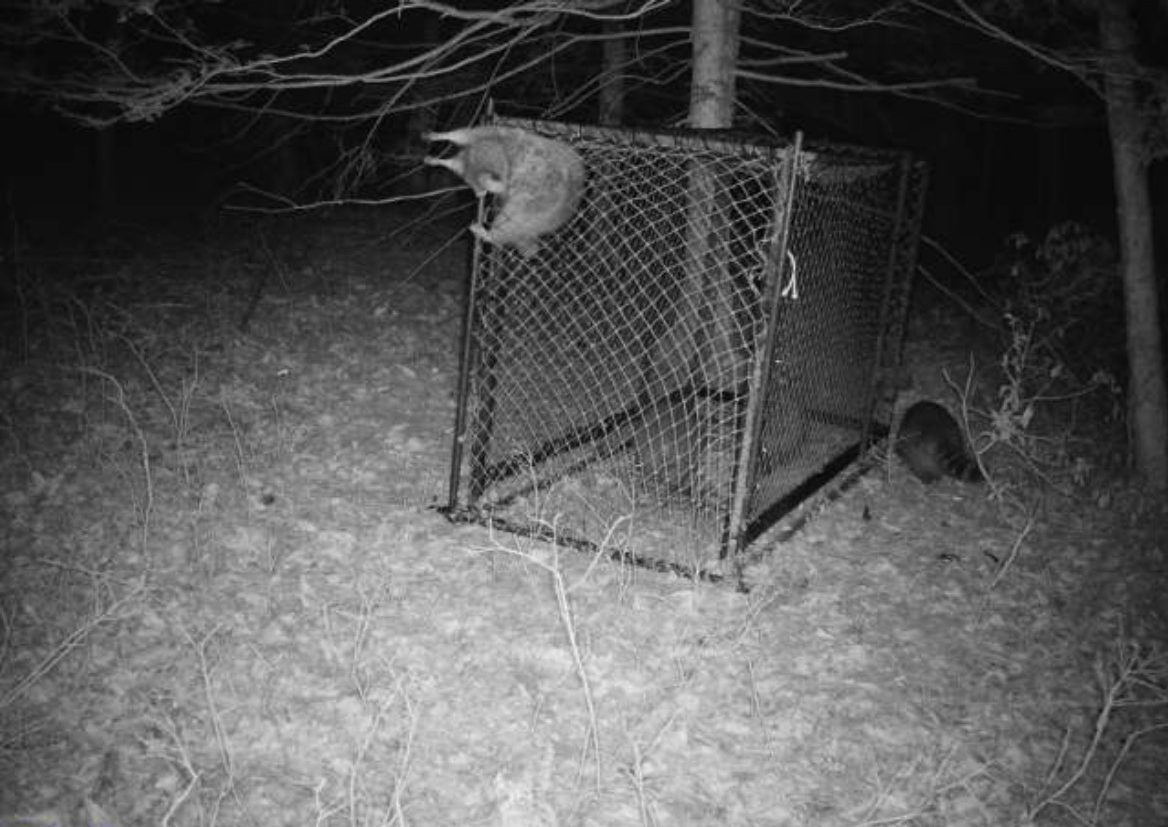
(930, 442)
(536, 181)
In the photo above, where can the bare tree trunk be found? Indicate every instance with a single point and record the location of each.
(704, 340)
(715, 39)
(612, 92)
(1147, 395)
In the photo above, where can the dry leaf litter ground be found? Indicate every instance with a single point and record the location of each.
(227, 600)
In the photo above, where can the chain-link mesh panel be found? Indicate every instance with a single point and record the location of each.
(843, 299)
(640, 383)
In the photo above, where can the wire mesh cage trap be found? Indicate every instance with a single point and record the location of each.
(694, 354)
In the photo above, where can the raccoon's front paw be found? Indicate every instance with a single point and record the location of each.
(480, 232)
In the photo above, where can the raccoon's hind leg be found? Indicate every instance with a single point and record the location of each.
(480, 178)
(468, 135)
(458, 137)
(453, 164)
(482, 161)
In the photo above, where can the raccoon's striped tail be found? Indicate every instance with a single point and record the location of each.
(964, 467)
(932, 445)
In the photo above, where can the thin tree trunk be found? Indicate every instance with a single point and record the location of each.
(704, 339)
(1147, 395)
(715, 40)
(612, 92)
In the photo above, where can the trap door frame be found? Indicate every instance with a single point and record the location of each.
(787, 513)
(778, 268)
(478, 378)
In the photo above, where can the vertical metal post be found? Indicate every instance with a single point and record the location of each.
(764, 350)
(465, 368)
